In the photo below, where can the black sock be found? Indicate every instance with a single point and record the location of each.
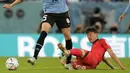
(39, 43)
(68, 47)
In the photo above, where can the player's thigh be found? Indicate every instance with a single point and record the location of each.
(63, 20)
(46, 27)
(47, 22)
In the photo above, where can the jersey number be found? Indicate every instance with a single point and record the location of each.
(44, 17)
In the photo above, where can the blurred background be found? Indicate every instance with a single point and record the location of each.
(20, 26)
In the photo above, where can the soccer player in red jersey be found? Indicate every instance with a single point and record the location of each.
(90, 59)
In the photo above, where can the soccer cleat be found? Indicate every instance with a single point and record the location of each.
(69, 66)
(32, 61)
(63, 49)
(62, 59)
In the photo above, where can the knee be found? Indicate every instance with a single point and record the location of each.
(44, 30)
(66, 32)
(67, 37)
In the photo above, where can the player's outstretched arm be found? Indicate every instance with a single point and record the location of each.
(114, 57)
(8, 6)
(108, 63)
(124, 13)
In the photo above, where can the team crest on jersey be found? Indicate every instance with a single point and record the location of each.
(67, 20)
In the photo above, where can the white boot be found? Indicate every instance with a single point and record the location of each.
(32, 60)
(68, 66)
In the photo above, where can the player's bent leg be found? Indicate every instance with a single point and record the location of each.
(45, 29)
(76, 52)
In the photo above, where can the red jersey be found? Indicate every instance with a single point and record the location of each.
(99, 47)
(94, 57)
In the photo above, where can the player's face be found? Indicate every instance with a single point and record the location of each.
(92, 36)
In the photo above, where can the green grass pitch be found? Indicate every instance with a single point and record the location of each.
(52, 65)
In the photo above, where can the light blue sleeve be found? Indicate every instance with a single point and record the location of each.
(127, 9)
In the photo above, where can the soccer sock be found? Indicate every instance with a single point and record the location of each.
(76, 52)
(68, 47)
(39, 44)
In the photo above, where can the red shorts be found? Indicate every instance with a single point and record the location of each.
(89, 61)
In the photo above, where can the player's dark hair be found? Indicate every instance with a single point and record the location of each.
(92, 29)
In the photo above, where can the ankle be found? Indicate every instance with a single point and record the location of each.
(35, 57)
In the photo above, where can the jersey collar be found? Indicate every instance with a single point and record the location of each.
(95, 41)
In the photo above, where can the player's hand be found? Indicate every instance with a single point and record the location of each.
(79, 67)
(7, 6)
(123, 67)
(121, 17)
